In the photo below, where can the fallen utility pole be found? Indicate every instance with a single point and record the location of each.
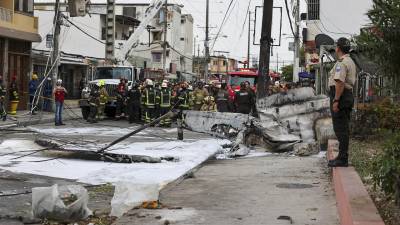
(168, 115)
(265, 49)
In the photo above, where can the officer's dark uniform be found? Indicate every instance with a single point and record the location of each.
(244, 100)
(3, 114)
(149, 99)
(134, 109)
(165, 96)
(94, 102)
(222, 101)
(344, 71)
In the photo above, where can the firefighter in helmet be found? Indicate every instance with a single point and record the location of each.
(103, 99)
(165, 96)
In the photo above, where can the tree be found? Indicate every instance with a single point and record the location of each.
(380, 41)
(287, 73)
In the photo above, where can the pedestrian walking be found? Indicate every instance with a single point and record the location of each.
(33, 85)
(103, 99)
(341, 82)
(3, 92)
(134, 103)
(198, 96)
(244, 100)
(59, 93)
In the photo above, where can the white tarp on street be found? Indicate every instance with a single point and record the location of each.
(189, 154)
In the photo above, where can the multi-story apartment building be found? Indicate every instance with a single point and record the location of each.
(88, 41)
(18, 29)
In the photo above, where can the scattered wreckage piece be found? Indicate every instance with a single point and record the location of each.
(56, 145)
(209, 122)
(289, 97)
(306, 149)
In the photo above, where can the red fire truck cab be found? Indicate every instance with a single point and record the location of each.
(237, 77)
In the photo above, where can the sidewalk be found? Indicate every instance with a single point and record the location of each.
(250, 191)
(24, 118)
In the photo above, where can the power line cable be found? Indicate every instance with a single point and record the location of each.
(222, 23)
(83, 31)
(290, 19)
(245, 19)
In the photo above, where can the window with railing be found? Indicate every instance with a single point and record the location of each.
(6, 15)
(313, 9)
(25, 6)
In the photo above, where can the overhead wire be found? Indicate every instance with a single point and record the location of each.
(222, 23)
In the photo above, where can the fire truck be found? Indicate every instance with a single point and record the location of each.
(237, 77)
(111, 74)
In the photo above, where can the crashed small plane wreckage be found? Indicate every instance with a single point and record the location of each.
(286, 122)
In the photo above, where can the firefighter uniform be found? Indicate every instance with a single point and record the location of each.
(198, 97)
(223, 100)
(3, 114)
(150, 100)
(244, 100)
(94, 102)
(165, 96)
(103, 100)
(133, 104)
(209, 105)
(121, 100)
(344, 71)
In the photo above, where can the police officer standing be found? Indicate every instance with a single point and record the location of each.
(341, 82)
(165, 96)
(94, 102)
(133, 99)
(244, 100)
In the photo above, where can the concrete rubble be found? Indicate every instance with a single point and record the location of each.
(287, 122)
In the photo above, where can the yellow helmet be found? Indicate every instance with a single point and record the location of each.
(101, 83)
(34, 76)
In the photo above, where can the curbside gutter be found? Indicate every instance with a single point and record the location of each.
(354, 204)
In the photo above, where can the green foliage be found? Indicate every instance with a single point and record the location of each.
(386, 168)
(370, 118)
(380, 41)
(287, 73)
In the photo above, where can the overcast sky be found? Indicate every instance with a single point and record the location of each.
(236, 41)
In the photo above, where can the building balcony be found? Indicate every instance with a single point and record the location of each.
(18, 25)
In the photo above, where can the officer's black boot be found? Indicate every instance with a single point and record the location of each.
(341, 161)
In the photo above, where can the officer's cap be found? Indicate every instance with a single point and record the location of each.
(344, 44)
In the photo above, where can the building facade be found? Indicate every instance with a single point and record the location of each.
(220, 65)
(18, 29)
(89, 40)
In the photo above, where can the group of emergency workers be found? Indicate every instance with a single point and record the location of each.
(149, 100)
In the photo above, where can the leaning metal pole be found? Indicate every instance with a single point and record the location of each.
(265, 50)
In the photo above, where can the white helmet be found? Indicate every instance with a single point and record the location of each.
(164, 85)
(165, 81)
(276, 83)
(149, 82)
(59, 81)
(190, 88)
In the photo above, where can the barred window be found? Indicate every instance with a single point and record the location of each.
(313, 9)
